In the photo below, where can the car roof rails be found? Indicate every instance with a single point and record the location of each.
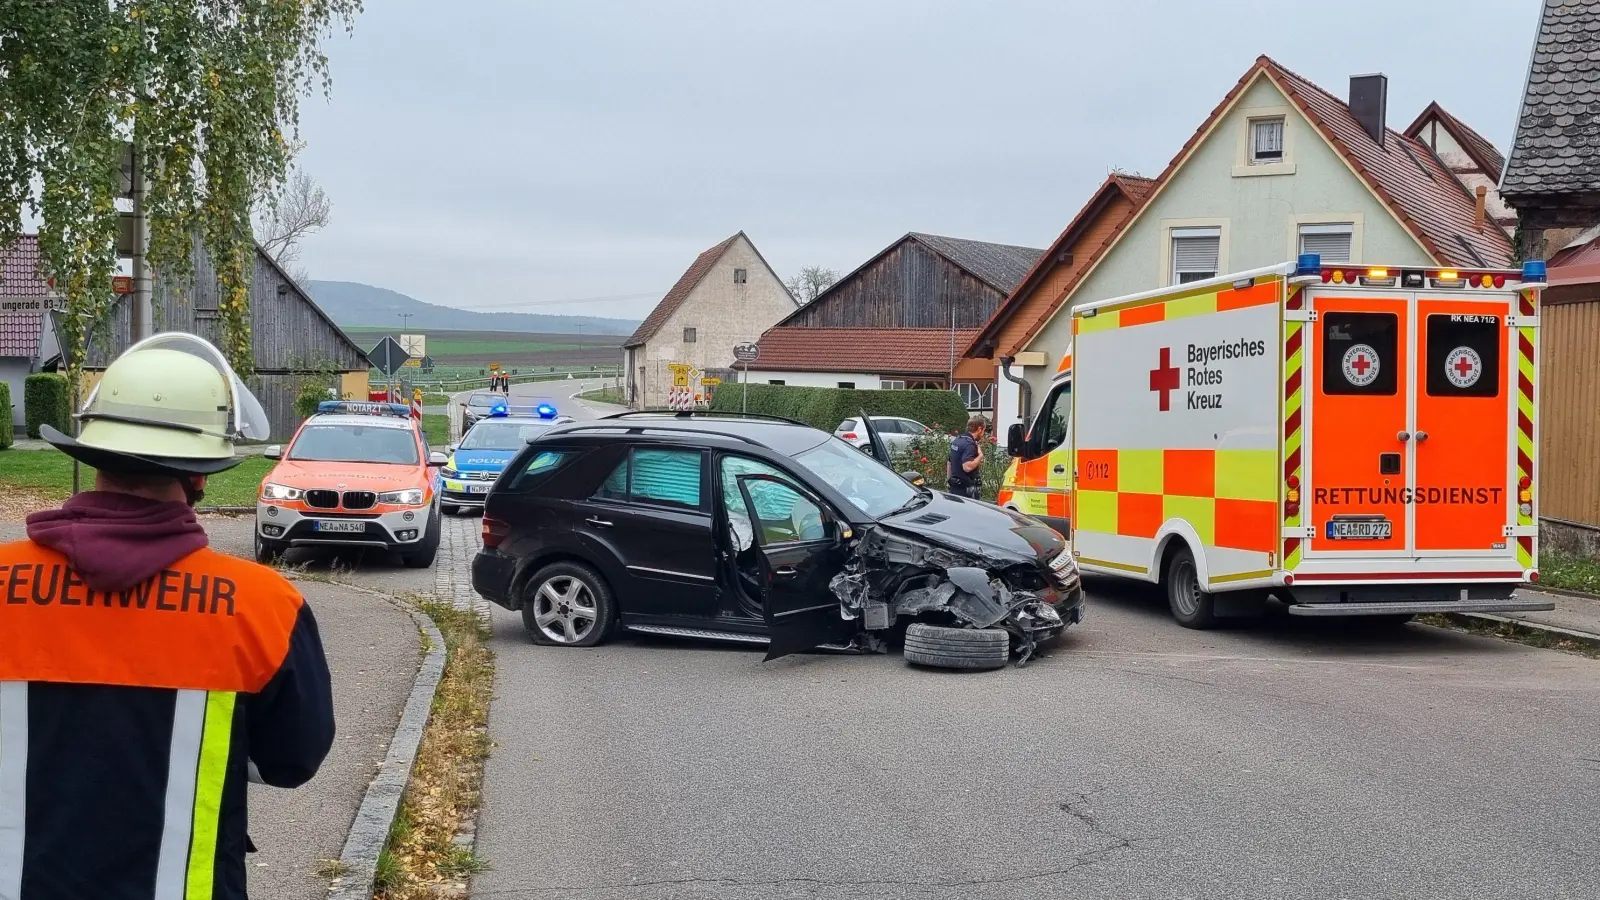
(599, 424)
(685, 414)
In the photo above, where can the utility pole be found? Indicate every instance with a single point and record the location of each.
(405, 320)
(142, 313)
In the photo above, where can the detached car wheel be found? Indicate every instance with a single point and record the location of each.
(568, 605)
(957, 648)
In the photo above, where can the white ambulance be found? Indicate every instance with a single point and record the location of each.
(1351, 440)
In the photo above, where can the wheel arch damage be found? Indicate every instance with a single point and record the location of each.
(893, 574)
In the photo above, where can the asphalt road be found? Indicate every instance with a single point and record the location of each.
(1286, 758)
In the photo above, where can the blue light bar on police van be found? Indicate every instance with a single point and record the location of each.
(546, 411)
(499, 409)
(364, 408)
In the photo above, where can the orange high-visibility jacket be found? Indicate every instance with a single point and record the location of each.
(130, 721)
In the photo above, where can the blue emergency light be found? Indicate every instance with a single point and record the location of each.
(1533, 272)
(364, 408)
(1308, 264)
(499, 409)
(546, 411)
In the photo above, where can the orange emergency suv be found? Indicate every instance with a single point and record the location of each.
(356, 474)
(1352, 440)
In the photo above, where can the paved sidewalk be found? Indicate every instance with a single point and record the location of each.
(373, 651)
(1572, 613)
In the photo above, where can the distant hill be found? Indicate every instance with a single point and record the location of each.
(351, 303)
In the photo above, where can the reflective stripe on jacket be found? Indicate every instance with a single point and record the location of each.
(129, 719)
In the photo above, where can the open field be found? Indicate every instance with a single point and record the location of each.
(509, 349)
(48, 473)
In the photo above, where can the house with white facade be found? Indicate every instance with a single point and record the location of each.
(729, 296)
(1282, 167)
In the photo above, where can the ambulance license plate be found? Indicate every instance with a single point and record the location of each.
(347, 527)
(1375, 529)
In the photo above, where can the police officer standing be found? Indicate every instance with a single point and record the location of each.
(144, 677)
(966, 457)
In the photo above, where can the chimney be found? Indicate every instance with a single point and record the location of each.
(1369, 103)
(1477, 212)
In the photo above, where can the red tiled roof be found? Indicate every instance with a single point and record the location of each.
(878, 351)
(679, 293)
(19, 270)
(1424, 195)
(19, 334)
(1477, 146)
(1134, 187)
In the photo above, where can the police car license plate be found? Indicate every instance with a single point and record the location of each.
(479, 488)
(347, 527)
(1375, 529)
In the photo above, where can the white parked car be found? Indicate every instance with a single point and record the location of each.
(895, 431)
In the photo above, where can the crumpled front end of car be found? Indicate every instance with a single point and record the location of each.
(893, 575)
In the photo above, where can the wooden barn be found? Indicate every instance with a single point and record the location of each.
(296, 344)
(900, 320)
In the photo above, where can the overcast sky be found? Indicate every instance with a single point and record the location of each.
(540, 155)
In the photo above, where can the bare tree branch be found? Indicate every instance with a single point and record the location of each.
(810, 283)
(301, 210)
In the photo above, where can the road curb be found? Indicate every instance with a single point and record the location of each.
(1561, 592)
(1585, 636)
(369, 832)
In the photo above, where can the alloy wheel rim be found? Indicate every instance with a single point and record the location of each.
(1186, 588)
(564, 609)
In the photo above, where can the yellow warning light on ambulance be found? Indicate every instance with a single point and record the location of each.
(1378, 273)
(1448, 274)
(1338, 277)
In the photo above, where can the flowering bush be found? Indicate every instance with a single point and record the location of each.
(930, 454)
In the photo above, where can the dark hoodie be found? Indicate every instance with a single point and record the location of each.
(116, 541)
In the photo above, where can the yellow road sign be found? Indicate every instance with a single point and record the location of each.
(412, 363)
(713, 382)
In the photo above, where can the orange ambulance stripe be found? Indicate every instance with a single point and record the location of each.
(1259, 295)
(1189, 473)
(1246, 525)
(1097, 470)
(1056, 505)
(1066, 363)
(1139, 515)
(1142, 315)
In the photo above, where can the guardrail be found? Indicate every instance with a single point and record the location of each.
(462, 384)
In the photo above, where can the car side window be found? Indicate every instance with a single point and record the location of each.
(780, 515)
(669, 477)
(847, 425)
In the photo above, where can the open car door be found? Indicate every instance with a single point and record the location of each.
(800, 549)
(880, 450)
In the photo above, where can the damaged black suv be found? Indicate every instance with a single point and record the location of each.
(766, 531)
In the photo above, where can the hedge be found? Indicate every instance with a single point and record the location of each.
(44, 402)
(825, 408)
(7, 433)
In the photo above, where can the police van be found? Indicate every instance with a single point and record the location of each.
(1354, 440)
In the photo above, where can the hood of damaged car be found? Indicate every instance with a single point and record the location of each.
(973, 526)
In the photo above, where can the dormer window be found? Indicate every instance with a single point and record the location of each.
(739, 276)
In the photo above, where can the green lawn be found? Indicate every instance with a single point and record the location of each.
(605, 395)
(49, 472)
(436, 428)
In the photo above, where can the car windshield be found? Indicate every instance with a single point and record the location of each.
(355, 443)
(503, 435)
(869, 485)
(483, 401)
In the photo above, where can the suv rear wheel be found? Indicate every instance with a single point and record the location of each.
(568, 604)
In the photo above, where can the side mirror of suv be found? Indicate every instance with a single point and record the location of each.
(915, 477)
(273, 451)
(437, 459)
(1016, 440)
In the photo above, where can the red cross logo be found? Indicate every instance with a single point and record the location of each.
(1164, 378)
(1464, 366)
(1361, 365)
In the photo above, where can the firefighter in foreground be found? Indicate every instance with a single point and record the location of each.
(145, 678)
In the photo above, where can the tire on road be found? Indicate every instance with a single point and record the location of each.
(1192, 606)
(449, 509)
(423, 558)
(593, 593)
(268, 552)
(957, 648)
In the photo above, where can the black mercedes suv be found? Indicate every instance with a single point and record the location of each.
(762, 530)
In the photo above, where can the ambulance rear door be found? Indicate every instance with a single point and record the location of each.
(1411, 433)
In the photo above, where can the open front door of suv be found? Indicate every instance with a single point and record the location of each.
(880, 450)
(801, 549)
